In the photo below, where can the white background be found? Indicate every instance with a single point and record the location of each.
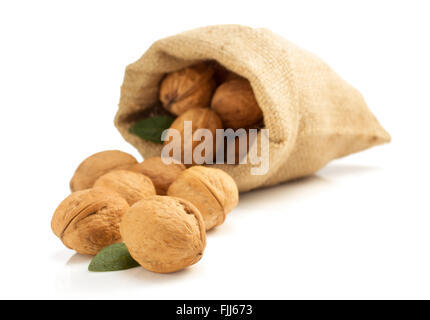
(360, 228)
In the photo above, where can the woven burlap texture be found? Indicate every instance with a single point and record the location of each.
(313, 115)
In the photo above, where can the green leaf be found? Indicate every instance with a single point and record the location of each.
(151, 128)
(112, 258)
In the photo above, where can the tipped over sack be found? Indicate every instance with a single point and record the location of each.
(313, 116)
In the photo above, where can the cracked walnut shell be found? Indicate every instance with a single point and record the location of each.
(132, 186)
(97, 165)
(161, 174)
(88, 220)
(211, 190)
(188, 88)
(164, 234)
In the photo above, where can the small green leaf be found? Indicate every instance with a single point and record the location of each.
(151, 128)
(112, 258)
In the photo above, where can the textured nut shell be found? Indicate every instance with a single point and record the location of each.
(235, 103)
(188, 88)
(88, 220)
(161, 174)
(97, 165)
(164, 234)
(211, 190)
(202, 118)
(132, 186)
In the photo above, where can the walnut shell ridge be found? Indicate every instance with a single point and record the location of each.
(132, 186)
(88, 220)
(211, 190)
(188, 88)
(164, 234)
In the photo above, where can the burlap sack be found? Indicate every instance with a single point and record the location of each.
(313, 116)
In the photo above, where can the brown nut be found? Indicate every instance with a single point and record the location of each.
(164, 234)
(97, 165)
(211, 190)
(235, 103)
(161, 174)
(88, 220)
(188, 88)
(201, 118)
(132, 186)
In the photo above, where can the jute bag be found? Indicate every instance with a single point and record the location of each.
(313, 115)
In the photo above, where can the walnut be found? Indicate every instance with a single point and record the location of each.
(164, 234)
(132, 186)
(201, 118)
(97, 165)
(211, 190)
(88, 220)
(161, 174)
(235, 103)
(188, 88)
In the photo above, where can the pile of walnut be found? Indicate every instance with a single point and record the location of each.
(212, 98)
(161, 212)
